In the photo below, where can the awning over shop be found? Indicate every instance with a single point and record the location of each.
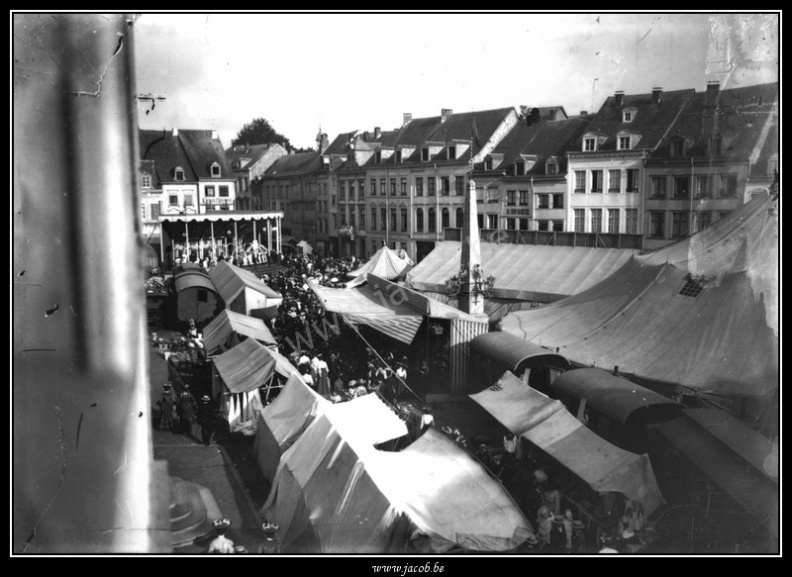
(225, 215)
(612, 395)
(385, 263)
(515, 353)
(366, 306)
(249, 365)
(524, 272)
(702, 312)
(221, 331)
(231, 280)
(548, 425)
(758, 495)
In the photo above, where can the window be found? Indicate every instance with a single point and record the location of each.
(558, 226)
(680, 224)
(580, 181)
(361, 188)
(657, 224)
(703, 188)
(155, 211)
(419, 186)
(692, 287)
(492, 194)
(224, 191)
(424, 154)
(403, 188)
(145, 180)
(523, 197)
(681, 187)
(631, 218)
(342, 191)
(215, 170)
(580, 220)
(378, 157)
(445, 185)
(543, 225)
(373, 219)
(459, 185)
(772, 166)
(178, 173)
(479, 194)
(596, 220)
(589, 144)
(210, 191)
(596, 181)
(383, 219)
(519, 168)
(552, 168)
(678, 147)
(432, 220)
(362, 219)
(728, 185)
(624, 143)
(632, 180)
(488, 163)
(352, 194)
(404, 220)
(480, 221)
(451, 152)
(460, 218)
(419, 224)
(188, 200)
(383, 190)
(373, 187)
(542, 201)
(173, 200)
(614, 181)
(627, 116)
(523, 223)
(393, 186)
(332, 200)
(445, 218)
(511, 198)
(492, 221)
(511, 224)
(613, 220)
(558, 201)
(143, 211)
(398, 155)
(431, 183)
(658, 187)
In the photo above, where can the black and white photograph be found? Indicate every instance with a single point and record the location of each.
(396, 289)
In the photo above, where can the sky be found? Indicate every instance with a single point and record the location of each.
(354, 71)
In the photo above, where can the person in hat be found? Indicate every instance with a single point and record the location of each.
(206, 417)
(221, 544)
(187, 408)
(166, 404)
(270, 545)
(558, 536)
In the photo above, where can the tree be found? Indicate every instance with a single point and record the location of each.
(260, 131)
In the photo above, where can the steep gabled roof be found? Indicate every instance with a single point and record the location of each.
(339, 144)
(651, 120)
(202, 151)
(192, 150)
(294, 164)
(253, 152)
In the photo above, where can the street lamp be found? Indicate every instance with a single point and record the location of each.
(478, 286)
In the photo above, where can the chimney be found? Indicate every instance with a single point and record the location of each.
(377, 132)
(325, 143)
(583, 112)
(175, 132)
(657, 95)
(619, 96)
(407, 118)
(713, 87)
(445, 113)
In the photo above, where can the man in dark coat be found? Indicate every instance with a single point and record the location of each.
(206, 416)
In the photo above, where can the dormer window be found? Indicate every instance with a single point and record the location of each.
(678, 147)
(589, 144)
(628, 115)
(178, 173)
(625, 142)
(378, 157)
(488, 163)
(452, 153)
(552, 167)
(424, 154)
(519, 168)
(398, 154)
(215, 170)
(145, 180)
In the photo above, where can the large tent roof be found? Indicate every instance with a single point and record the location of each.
(385, 263)
(702, 312)
(230, 280)
(249, 365)
(223, 326)
(548, 425)
(335, 492)
(524, 272)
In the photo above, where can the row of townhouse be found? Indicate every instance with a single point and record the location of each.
(182, 172)
(650, 167)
